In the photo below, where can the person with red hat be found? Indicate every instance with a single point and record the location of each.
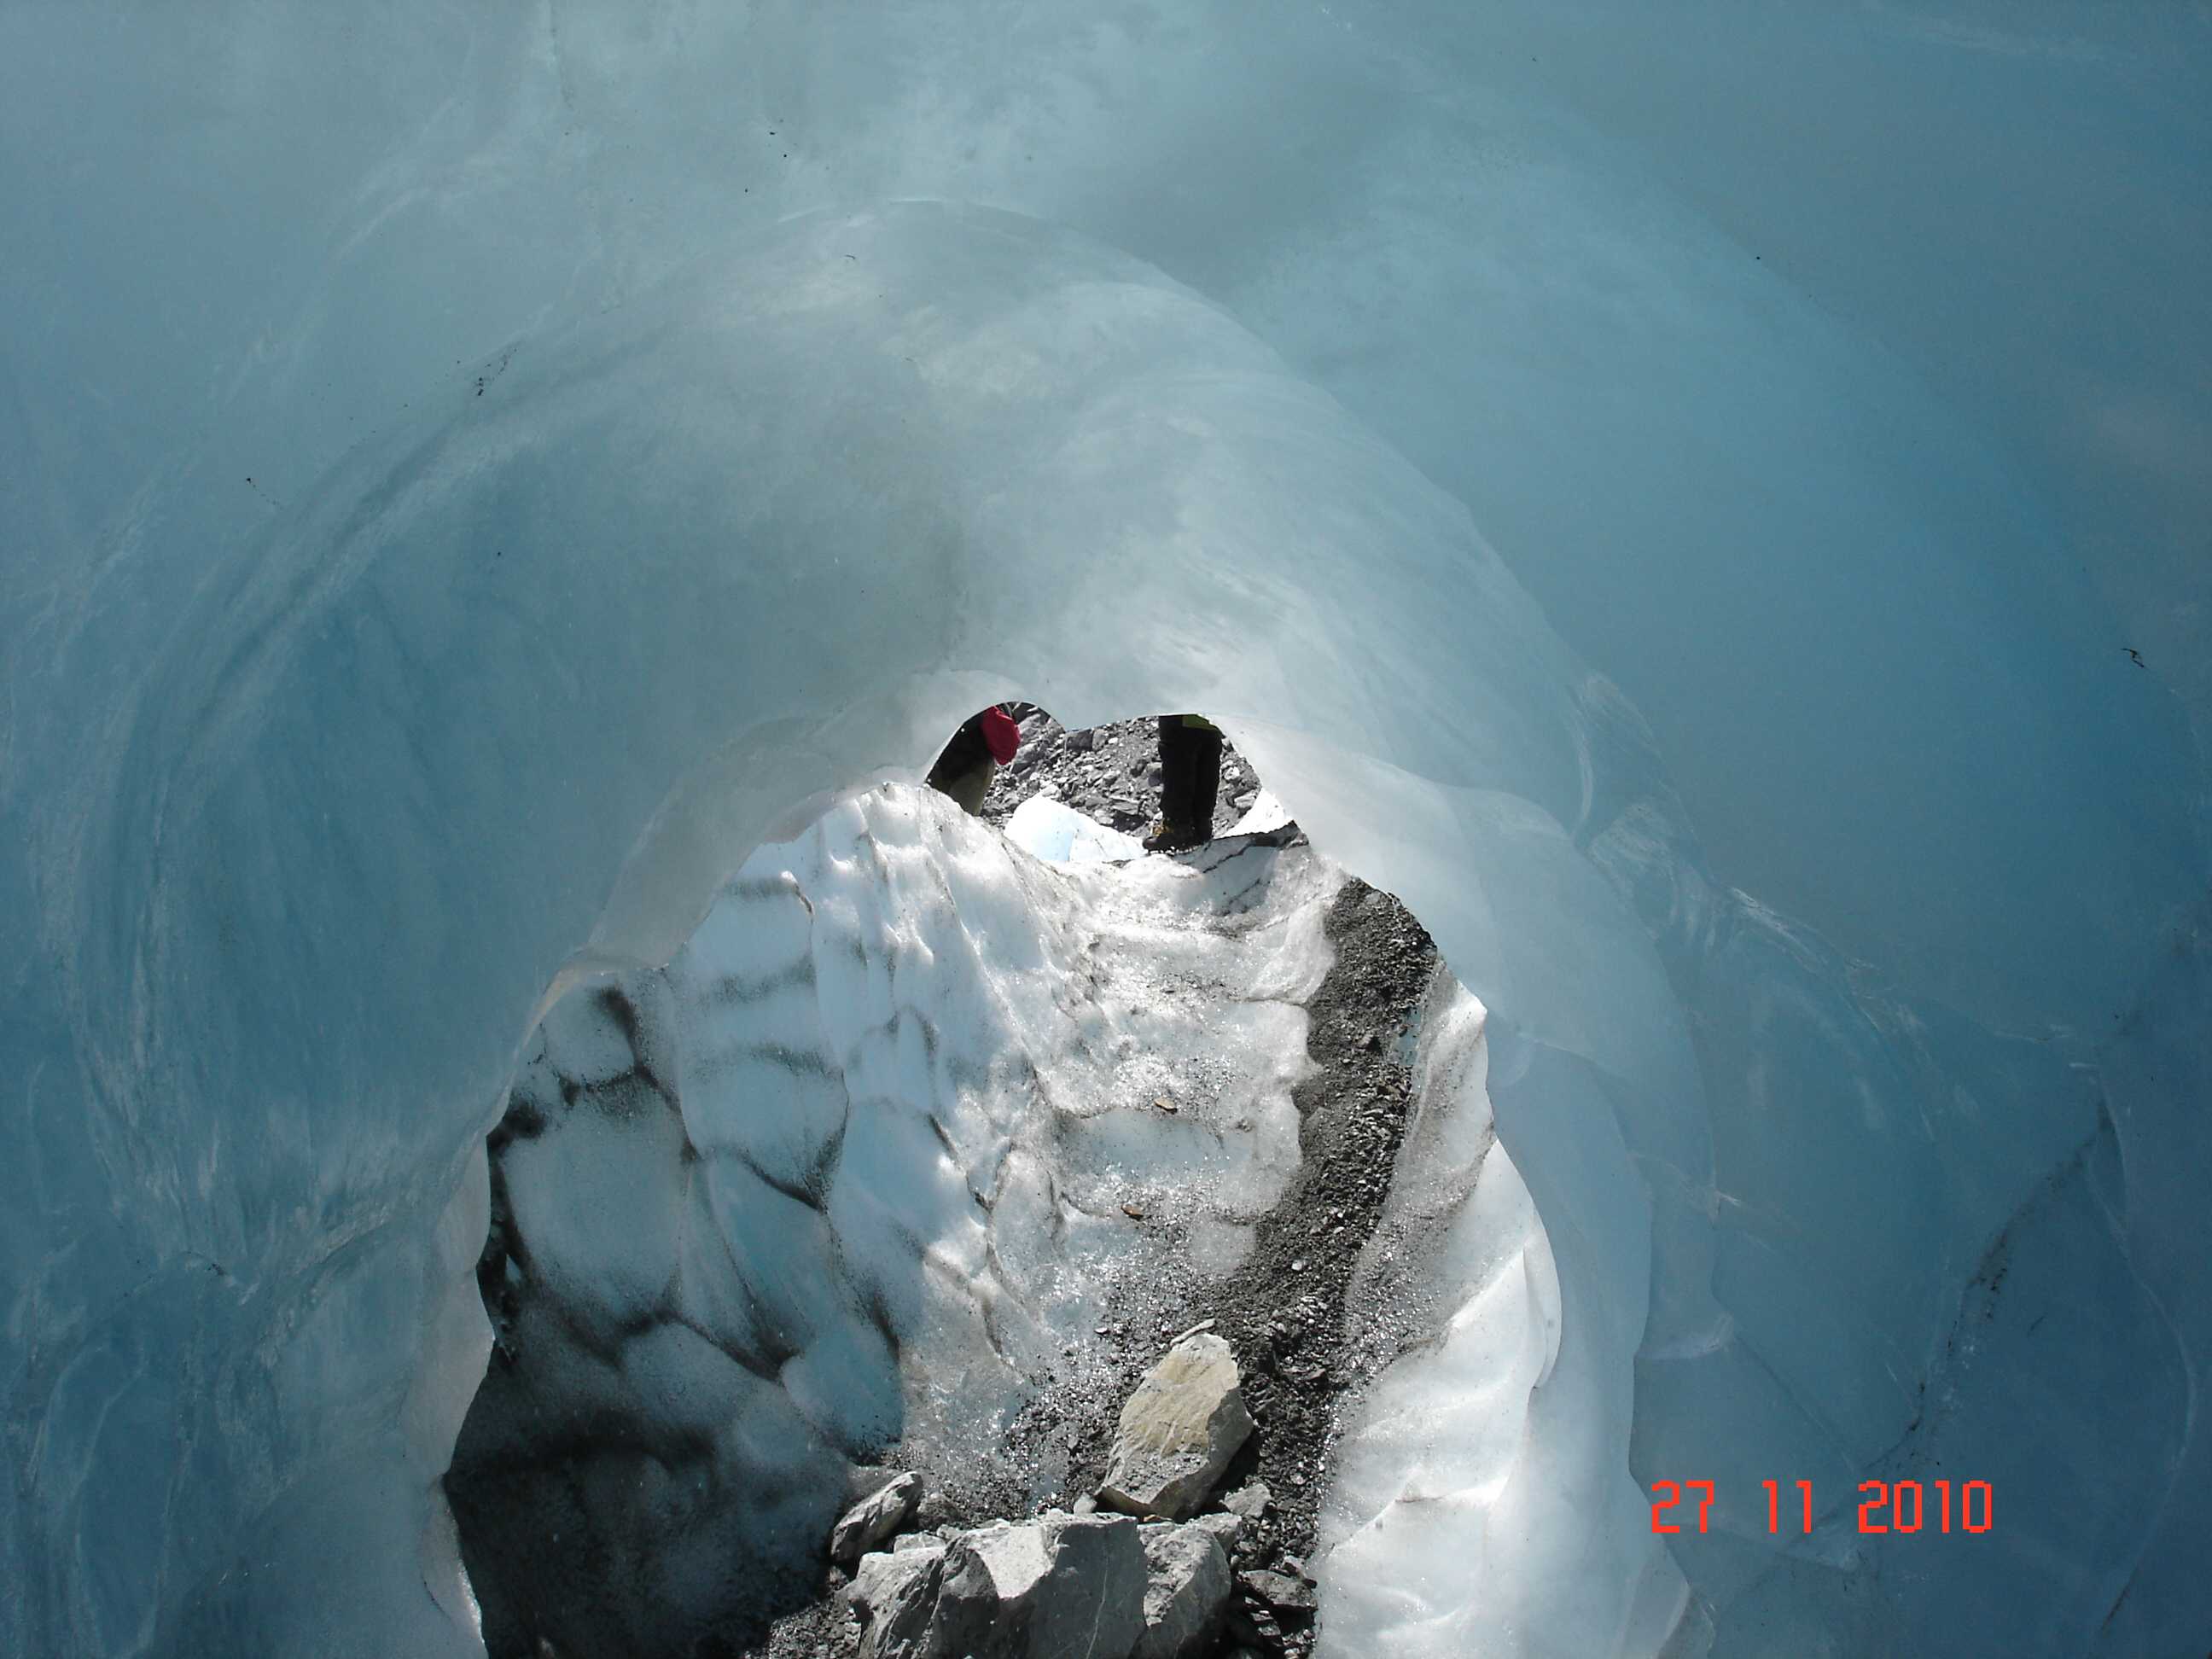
(983, 743)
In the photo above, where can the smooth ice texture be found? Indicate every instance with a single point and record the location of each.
(469, 475)
(1427, 1456)
(1055, 832)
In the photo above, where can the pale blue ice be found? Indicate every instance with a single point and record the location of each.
(1707, 503)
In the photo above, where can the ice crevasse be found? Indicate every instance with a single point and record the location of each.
(1735, 572)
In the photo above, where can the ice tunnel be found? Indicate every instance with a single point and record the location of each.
(1705, 507)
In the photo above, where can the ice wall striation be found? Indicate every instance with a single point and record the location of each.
(454, 511)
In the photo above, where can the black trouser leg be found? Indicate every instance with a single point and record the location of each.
(1205, 776)
(1175, 771)
(1190, 774)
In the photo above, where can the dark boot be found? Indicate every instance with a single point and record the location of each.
(1168, 837)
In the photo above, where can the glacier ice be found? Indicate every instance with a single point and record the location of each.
(1047, 829)
(470, 476)
(850, 1173)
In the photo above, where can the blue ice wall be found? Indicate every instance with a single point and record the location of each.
(450, 514)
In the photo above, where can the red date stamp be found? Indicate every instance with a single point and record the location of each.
(1884, 1505)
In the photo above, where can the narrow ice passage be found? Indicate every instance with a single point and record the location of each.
(916, 1146)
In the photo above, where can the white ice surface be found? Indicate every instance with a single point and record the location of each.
(1428, 1455)
(871, 1159)
(468, 477)
(1055, 832)
(1266, 812)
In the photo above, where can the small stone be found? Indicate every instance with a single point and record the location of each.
(1298, 1266)
(1178, 1432)
(1249, 1501)
(1086, 1504)
(874, 1518)
(1163, 1104)
(1132, 1213)
(1252, 1623)
(934, 1510)
(1202, 1325)
(1278, 1591)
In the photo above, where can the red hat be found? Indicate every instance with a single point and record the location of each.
(1000, 735)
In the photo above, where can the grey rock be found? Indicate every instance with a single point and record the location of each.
(1178, 1432)
(874, 1518)
(1279, 1591)
(1249, 1501)
(880, 1573)
(1062, 1585)
(899, 1618)
(1225, 1526)
(1252, 1624)
(1086, 1504)
(1187, 1592)
(914, 1540)
(934, 1510)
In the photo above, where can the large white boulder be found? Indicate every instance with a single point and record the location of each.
(1178, 1432)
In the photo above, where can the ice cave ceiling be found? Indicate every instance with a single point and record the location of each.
(1708, 504)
